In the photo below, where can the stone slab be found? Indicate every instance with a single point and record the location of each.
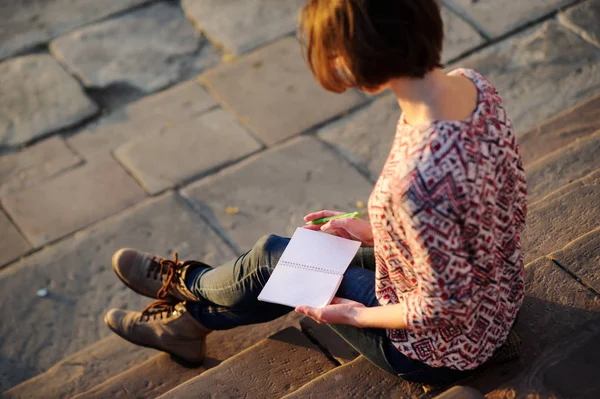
(459, 36)
(276, 189)
(187, 150)
(559, 219)
(497, 18)
(272, 368)
(242, 25)
(38, 97)
(365, 137)
(566, 370)
(582, 258)
(274, 94)
(31, 23)
(530, 68)
(556, 306)
(160, 374)
(113, 367)
(26, 168)
(149, 49)
(12, 243)
(328, 340)
(82, 370)
(460, 392)
(72, 200)
(150, 379)
(577, 122)
(154, 113)
(38, 332)
(358, 379)
(583, 19)
(563, 166)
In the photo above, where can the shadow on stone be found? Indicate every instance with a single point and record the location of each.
(115, 95)
(544, 325)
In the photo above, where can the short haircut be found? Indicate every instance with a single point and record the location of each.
(365, 43)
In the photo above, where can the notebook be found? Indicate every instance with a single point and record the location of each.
(310, 269)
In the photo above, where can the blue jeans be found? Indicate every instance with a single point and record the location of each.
(229, 293)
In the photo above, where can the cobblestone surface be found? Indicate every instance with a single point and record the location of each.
(295, 179)
(229, 139)
(72, 200)
(35, 22)
(583, 19)
(148, 49)
(35, 164)
(156, 113)
(242, 25)
(12, 244)
(202, 144)
(37, 98)
(274, 94)
(365, 137)
(531, 68)
(496, 18)
(82, 285)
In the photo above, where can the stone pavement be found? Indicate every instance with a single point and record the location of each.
(194, 126)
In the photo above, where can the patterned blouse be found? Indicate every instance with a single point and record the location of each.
(447, 212)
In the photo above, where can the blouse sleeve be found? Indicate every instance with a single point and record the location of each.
(445, 286)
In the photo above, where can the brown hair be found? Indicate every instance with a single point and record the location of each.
(365, 43)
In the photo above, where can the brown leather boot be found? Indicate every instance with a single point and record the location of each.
(163, 326)
(154, 277)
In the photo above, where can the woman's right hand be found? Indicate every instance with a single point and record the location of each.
(351, 228)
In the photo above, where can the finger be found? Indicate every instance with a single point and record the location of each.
(335, 224)
(321, 214)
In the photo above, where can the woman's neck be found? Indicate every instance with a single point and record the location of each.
(436, 96)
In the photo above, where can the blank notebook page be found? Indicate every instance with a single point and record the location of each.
(310, 270)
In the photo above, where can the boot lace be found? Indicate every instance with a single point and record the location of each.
(171, 269)
(160, 309)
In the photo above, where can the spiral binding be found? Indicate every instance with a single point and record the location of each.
(307, 267)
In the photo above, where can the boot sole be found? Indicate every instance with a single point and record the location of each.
(176, 358)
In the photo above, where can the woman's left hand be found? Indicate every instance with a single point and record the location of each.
(340, 311)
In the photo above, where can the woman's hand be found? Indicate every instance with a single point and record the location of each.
(340, 311)
(351, 228)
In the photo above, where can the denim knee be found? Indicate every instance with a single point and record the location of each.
(268, 250)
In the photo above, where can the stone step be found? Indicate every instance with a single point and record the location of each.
(555, 306)
(358, 379)
(112, 366)
(563, 166)
(81, 285)
(582, 258)
(82, 370)
(159, 374)
(150, 379)
(328, 340)
(272, 368)
(562, 217)
(460, 392)
(561, 130)
(568, 369)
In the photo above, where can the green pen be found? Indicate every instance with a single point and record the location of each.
(328, 218)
